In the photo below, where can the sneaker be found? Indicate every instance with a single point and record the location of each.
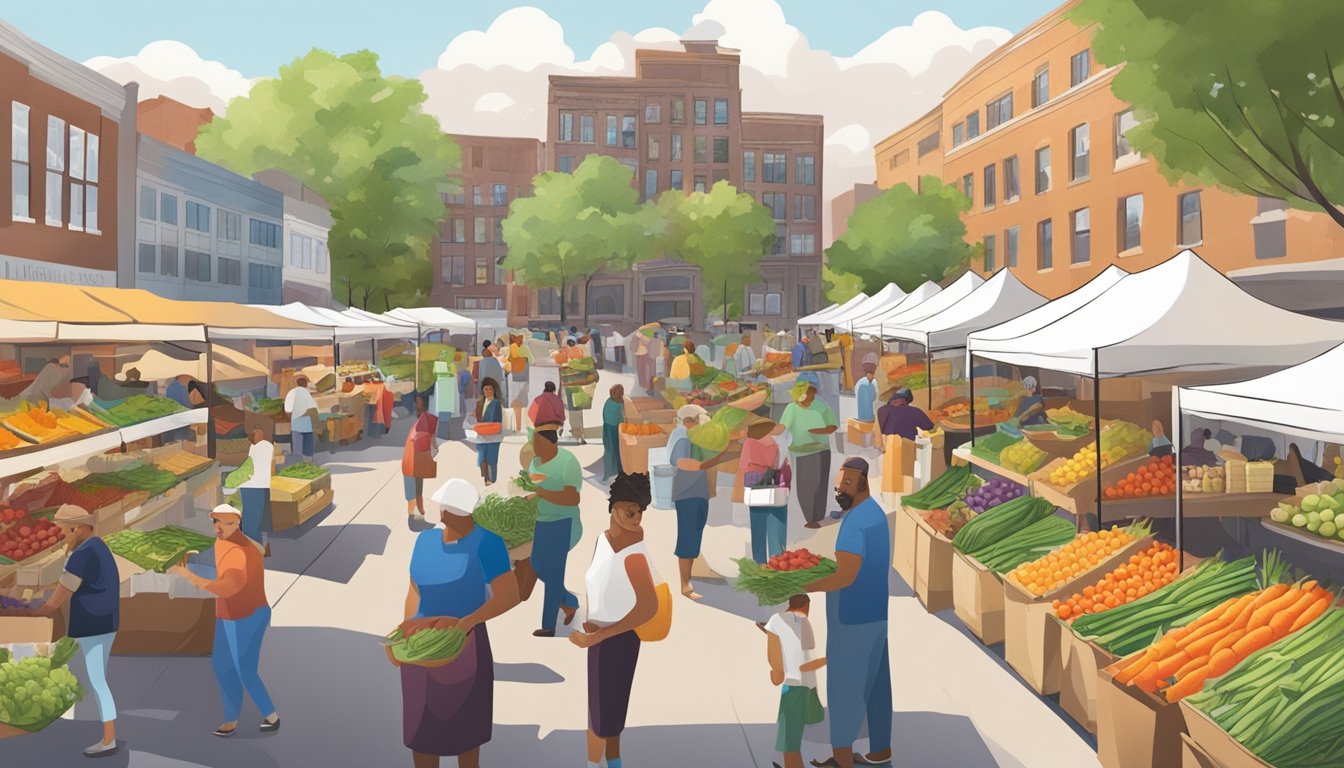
(100, 749)
(225, 733)
(267, 726)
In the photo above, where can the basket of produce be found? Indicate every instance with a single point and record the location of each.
(433, 647)
(37, 424)
(1013, 533)
(10, 441)
(1155, 477)
(783, 576)
(1078, 556)
(992, 493)
(36, 691)
(142, 477)
(1022, 457)
(159, 549)
(949, 487)
(1146, 571)
(318, 478)
(513, 519)
(948, 521)
(641, 430)
(989, 446)
(136, 409)
(29, 537)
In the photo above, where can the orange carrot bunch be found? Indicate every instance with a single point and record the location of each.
(1180, 663)
(1146, 571)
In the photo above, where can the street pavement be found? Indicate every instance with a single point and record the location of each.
(701, 698)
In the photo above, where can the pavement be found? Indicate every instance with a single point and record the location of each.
(701, 698)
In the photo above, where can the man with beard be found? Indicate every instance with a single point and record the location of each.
(859, 683)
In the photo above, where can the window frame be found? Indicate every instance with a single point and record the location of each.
(721, 116)
(1012, 239)
(1080, 240)
(989, 244)
(1040, 87)
(1079, 160)
(1181, 218)
(1045, 245)
(701, 112)
(1012, 191)
(1123, 227)
(990, 186)
(20, 158)
(1077, 77)
(1043, 171)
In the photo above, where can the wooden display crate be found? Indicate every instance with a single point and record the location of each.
(1207, 741)
(1135, 729)
(933, 568)
(291, 514)
(977, 597)
(1192, 756)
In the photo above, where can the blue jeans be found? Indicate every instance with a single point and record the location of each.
(96, 650)
(302, 443)
(692, 514)
(234, 660)
(768, 527)
(256, 510)
(858, 682)
(488, 454)
(550, 555)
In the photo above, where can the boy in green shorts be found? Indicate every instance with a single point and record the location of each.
(788, 648)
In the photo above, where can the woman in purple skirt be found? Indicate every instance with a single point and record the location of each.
(621, 597)
(459, 577)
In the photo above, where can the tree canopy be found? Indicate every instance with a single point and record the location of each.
(722, 231)
(362, 141)
(905, 237)
(1242, 94)
(839, 287)
(577, 225)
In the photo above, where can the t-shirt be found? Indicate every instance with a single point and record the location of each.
(611, 595)
(800, 421)
(865, 393)
(91, 574)
(297, 403)
(452, 577)
(240, 587)
(745, 359)
(262, 455)
(177, 391)
(864, 532)
(686, 483)
(903, 420)
(795, 640)
(561, 472)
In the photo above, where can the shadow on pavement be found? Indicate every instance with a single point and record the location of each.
(343, 551)
(535, 674)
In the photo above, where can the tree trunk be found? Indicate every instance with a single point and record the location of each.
(562, 301)
(725, 303)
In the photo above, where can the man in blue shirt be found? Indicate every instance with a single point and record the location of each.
(690, 493)
(859, 683)
(800, 353)
(865, 392)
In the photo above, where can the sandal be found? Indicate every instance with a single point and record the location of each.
(223, 733)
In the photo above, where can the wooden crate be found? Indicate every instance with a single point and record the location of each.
(1207, 741)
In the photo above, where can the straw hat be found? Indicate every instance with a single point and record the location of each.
(69, 514)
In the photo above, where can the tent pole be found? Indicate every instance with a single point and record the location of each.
(1096, 426)
(928, 359)
(971, 375)
(335, 350)
(1177, 421)
(210, 390)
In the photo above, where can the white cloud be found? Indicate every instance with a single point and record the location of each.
(174, 69)
(915, 47)
(853, 137)
(523, 38)
(494, 102)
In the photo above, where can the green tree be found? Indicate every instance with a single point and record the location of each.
(905, 237)
(839, 287)
(723, 232)
(578, 225)
(362, 141)
(1242, 94)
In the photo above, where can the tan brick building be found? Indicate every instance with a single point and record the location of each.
(1035, 137)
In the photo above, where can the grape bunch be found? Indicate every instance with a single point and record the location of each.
(35, 691)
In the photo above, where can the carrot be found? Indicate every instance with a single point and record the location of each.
(1253, 641)
(1308, 585)
(1268, 610)
(1205, 645)
(1191, 683)
(1283, 620)
(1191, 667)
(1168, 666)
(1244, 616)
(1227, 608)
(1222, 661)
(1227, 641)
(1147, 680)
(1214, 629)
(1312, 612)
(1127, 674)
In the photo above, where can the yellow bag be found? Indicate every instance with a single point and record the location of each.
(660, 625)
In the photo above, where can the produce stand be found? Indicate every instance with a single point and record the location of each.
(1135, 729)
(977, 597)
(1209, 745)
(1080, 675)
(933, 568)
(963, 453)
(903, 553)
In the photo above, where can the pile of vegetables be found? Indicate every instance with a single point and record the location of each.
(949, 521)
(158, 549)
(994, 492)
(1128, 628)
(140, 408)
(1282, 701)
(1041, 536)
(783, 577)
(242, 474)
(429, 647)
(1076, 558)
(1013, 533)
(949, 487)
(714, 435)
(1144, 572)
(301, 471)
(141, 477)
(990, 446)
(524, 481)
(36, 691)
(1000, 522)
(513, 518)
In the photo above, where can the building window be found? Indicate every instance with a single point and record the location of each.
(611, 131)
(628, 131)
(1080, 67)
(805, 169)
(149, 203)
(676, 179)
(749, 166)
(676, 148)
(927, 144)
(1192, 222)
(320, 262)
(781, 244)
(55, 170)
(999, 111)
(701, 149)
(264, 233)
(478, 230)
(775, 168)
(548, 301)
(804, 207)
(1045, 245)
(989, 253)
(776, 202)
(802, 244)
(77, 162)
(1123, 122)
(701, 112)
(1270, 227)
(1131, 222)
(478, 157)
(263, 277)
(20, 200)
(477, 199)
(968, 187)
(660, 283)
(230, 226)
(300, 251)
(565, 164)
(586, 129)
(168, 209)
(501, 275)
(497, 226)
(901, 158)
(1040, 87)
(991, 185)
(650, 183)
(607, 300)
(198, 266)
(499, 194)
(655, 148)
(453, 270)
(146, 257)
(765, 300)
(678, 111)
(720, 149)
(168, 260)
(806, 305)
(972, 125)
(1012, 184)
(653, 112)
(457, 230)
(1010, 237)
(198, 216)
(699, 184)
(958, 134)
(566, 126)
(1080, 138)
(720, 111)
(1042, 170)
(1081, 246)
(230, 271)
(482, 271)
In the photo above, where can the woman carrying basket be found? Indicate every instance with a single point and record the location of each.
(489, 429)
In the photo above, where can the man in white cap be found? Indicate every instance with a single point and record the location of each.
(92, 587)
(242, 615)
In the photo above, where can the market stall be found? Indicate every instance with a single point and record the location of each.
(822, 318)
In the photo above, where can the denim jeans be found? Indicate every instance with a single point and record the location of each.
(488, 453)
(302, 443)
(858, 681)
(234, 660)
(550, 555)
(768, 528)
(96, 651)
(256, 505)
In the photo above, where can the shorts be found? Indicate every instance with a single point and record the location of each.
(799, 707)
(414, 486)
(692, 514)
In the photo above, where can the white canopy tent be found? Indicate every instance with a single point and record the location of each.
(343, 327)
(913, 299)
(887, 297)
(880, 325)
(433, 319)
(996, 300)
(1179, 315)
(823, 317)
(1304, 400)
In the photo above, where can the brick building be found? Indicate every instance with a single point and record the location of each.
(1035, 137)
(172, 122)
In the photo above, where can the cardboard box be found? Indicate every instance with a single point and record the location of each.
(903, 552)
(1031, 638)
(860, 433)
(1083, 660)
(977, 596)
(292, 514)
(156, 624)
(31, 629)
(635, 450)
(1135, 729)
(1207, 741)
(898, 464)
(933, 568)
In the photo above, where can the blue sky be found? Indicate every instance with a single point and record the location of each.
(257, 36)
